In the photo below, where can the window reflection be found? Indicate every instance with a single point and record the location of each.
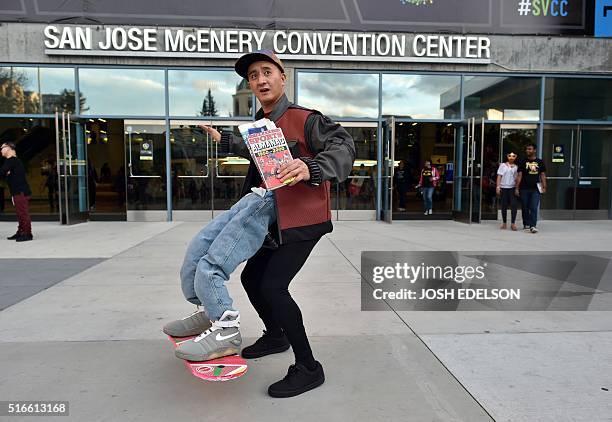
(35, 141)
(209, 93)
(502, 98)
(36, 90)
(340, 94)
(203, 178)
(358, 192)
(421, 96)
(578, 99)
(130, 92)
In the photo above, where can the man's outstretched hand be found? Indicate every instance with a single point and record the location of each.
(214, 133)
(296, 169)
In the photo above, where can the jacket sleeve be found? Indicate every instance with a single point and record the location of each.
(436, 174)
(5, 168)
(333, 147)
(233, 144)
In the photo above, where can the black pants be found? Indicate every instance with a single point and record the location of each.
(508, 198)
(266, 279)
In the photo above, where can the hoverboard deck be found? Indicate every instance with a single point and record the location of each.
(221, 369)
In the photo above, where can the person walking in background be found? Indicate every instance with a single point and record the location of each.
(530, 184)
(402, 183)
(49, 171)
(15, 173)
(504, 188)
(427, 183)
(92, 183)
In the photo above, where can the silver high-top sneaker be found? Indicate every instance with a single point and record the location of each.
(221, 339)
(191, 325)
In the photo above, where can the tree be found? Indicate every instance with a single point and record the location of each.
(13, 95)
(66, 101)
(209, 107)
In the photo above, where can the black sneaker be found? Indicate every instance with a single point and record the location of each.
(13, 237)
(266, 345)
(298, 380)
(24, 238)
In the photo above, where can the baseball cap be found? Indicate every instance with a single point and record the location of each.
(9, 144)
(243, 63)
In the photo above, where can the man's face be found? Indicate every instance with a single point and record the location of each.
(530, 151)
(266, 81)
(5, 150)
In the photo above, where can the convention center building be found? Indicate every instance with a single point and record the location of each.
(104, 100)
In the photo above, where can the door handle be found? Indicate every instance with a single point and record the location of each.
(216, 160)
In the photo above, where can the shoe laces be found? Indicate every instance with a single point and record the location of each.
(293, 369)
(212, 329)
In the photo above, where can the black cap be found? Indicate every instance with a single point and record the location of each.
(243, 63)
(9, 144)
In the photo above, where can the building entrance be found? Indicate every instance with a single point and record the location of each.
(407, 148)
(415, 145)
(106, 176)
(577, 160)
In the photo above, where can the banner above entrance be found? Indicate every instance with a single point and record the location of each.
(450, 16)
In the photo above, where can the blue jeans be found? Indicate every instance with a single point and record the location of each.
(428, 198)
(530, 201)
(215, 252)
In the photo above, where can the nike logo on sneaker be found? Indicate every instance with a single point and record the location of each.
(219, 337)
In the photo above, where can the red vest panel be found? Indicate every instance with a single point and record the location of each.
(302, 204)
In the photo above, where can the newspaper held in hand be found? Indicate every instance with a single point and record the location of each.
(268, 149)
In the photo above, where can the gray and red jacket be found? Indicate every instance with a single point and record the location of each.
(303, 210)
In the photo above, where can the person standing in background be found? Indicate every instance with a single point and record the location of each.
(530, 184)
(402, 183)
(504, 188)
(15, 173)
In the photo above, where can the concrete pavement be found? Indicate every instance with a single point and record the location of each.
(94, 337)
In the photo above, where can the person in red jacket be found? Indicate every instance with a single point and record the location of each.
(324, 153)
(428, 182)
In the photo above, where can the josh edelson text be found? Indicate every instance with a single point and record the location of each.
(422, 283)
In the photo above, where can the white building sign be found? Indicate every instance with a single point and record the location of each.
(297, 45)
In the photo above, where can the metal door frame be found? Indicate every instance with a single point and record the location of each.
(470, 170)
(64, 167)
(388, 167)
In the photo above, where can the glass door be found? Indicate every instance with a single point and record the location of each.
(593, 173)
(578, 170)
(106, 177)
(468, 172)
(145, 147)
(559, 152)
(71, 169)
(499, 140)
(191, 152)
(229, 172)
(388, 168)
